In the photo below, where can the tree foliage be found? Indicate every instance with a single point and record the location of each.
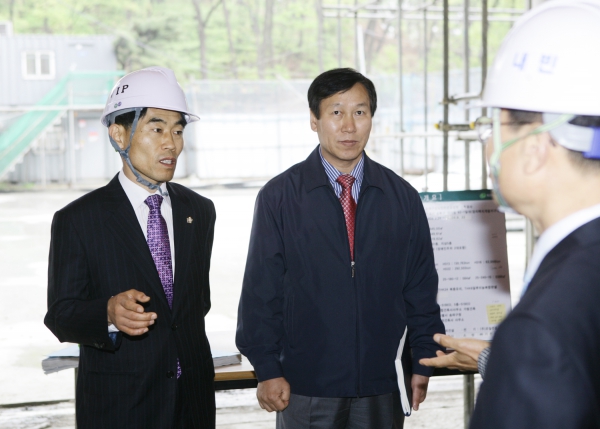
(251, 39)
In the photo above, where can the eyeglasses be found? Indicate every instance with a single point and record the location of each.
(484, 127)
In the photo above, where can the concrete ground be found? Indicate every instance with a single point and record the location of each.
(443, 409)
(25, 219)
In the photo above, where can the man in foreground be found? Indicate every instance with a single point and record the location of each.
(544, 154)
(340, 264)
(128, 272)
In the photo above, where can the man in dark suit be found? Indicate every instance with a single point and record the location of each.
(340, 265)
(543, 368)
(128, 272)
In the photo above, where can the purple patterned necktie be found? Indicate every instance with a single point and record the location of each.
(160, 248)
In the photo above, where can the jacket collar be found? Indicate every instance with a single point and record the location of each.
(314, 176)
(583, 236)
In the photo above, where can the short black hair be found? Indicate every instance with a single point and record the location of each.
(126, 119)
(523, 117)
(338, 80)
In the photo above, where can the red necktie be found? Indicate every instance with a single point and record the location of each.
(349, 207)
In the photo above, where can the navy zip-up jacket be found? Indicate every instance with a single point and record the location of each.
(302, 313)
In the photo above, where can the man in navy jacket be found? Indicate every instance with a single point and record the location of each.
(543, 147)
(325, 302)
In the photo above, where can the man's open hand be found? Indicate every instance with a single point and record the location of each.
(418, 384)
(273, 394)
(464, 357)
(125, 312)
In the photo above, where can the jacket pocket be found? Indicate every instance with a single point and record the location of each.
(117, 383)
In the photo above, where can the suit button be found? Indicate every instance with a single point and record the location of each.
(101, 345)
(174, 327)
(170, 374)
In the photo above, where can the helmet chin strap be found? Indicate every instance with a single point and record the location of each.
(125, 154)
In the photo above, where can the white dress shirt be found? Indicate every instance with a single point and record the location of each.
(554, 235)
(137, 196)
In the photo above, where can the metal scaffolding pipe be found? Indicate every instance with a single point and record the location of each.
(432, 134)
(400, 88)
(446, 101)
(356, 47)
(52, 107)
(467, 88)
(71, 152)
(339, 37)
(425, 95)
(459, 9)
(484, 67)
(468, 397)
(418, 16)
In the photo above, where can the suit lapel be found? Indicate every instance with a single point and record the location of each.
(183, 230)
(124, 225)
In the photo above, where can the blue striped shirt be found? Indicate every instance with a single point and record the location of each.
(357, 172)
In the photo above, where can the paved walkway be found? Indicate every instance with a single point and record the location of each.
(25, 219)
(443, 409)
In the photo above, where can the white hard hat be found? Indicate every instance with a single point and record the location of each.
(154, 87)
(548, 62)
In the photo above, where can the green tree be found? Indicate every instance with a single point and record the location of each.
(250, 39)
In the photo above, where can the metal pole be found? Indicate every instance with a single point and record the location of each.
(400, 87)
(467, 164)
(43, 156)
(360, 50)
(71, 139)
(356, 47)
(484, 61)
(469, 379)
(467, 88)
(320, 35)
(469, 397)
(75, 400)
(191, 149)
(339, 35)
(446, 91)
(425, 95)
(279, 137)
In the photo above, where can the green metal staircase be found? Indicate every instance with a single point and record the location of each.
(84, 88)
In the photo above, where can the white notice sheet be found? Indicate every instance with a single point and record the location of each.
(469, 244)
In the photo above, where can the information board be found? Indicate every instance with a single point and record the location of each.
(469, 245)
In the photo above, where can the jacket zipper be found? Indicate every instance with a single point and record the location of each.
(353, 267)
(357, 335)
(353, 273)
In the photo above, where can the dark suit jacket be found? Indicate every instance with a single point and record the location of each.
(98, 250)
(544, 366)
(302, 313)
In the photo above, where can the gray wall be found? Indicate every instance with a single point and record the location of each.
(48, 158)
(71, 53)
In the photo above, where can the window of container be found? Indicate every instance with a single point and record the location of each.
(38, 65)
